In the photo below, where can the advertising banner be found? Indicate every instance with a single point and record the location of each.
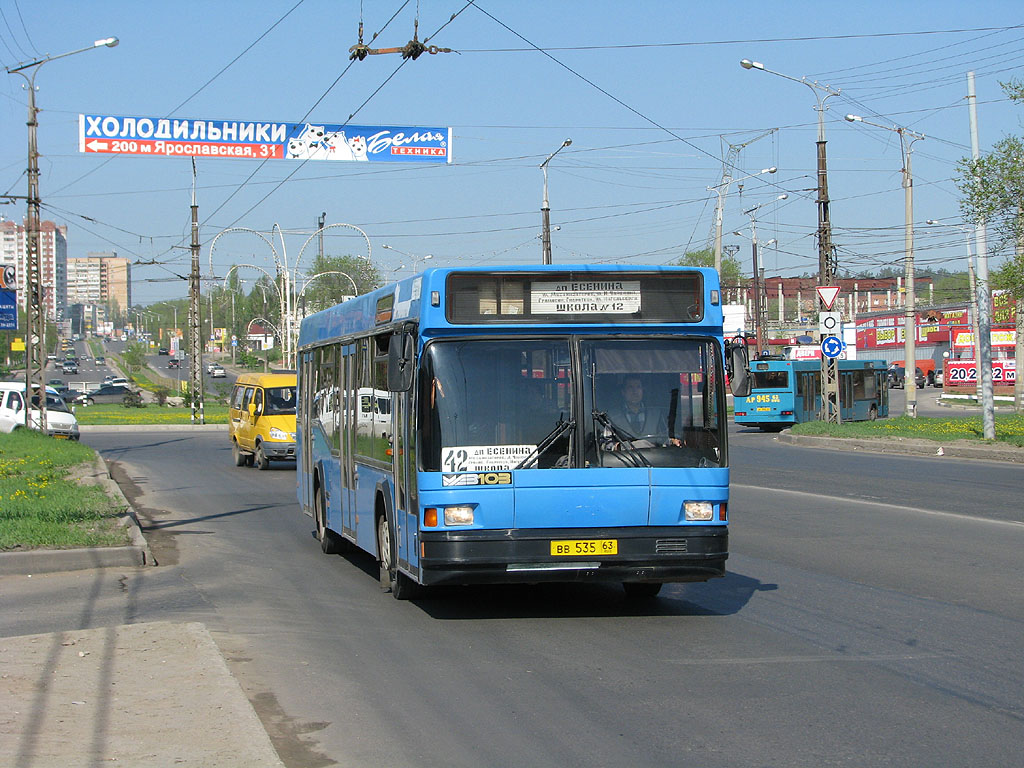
(8, 310)
(8, 299)
(964, 373)
(257, 140)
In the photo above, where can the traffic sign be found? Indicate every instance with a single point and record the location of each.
(832, 346)
(829, 323)
(827, 294)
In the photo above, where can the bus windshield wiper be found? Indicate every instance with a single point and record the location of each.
(638, 458)
(560, 429)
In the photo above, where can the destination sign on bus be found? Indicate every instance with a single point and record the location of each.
(484, 458)
(572, 296)
(584, 298)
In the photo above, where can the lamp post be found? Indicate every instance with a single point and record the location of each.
(909, 308)
(972, 304)
(545, 209)
(826, 260)
(35, 309)
(758, 304)
(411, 256)
(722, 190)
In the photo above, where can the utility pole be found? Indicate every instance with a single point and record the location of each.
(983, 342)
(194, 324)
(826, 256)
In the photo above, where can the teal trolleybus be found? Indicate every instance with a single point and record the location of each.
(465, 426)
(787, 392)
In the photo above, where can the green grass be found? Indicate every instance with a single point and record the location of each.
(1009, 429)
(114, 413)
(41, 508)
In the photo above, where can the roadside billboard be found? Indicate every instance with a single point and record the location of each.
(260, 140)
(8, 299)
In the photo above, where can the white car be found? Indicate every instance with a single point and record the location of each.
(60, 421)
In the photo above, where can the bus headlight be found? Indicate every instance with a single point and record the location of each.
(278, 434)
(698, 511)
(458, 515)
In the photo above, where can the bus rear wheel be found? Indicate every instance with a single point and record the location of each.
(330, 543)
(392, 580)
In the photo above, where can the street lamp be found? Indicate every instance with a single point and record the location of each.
(722, 190)
(758, 304)
(545, 210)
(35, 311)
(909, 309)
(826, 261)
(412, 256)
(972, 303)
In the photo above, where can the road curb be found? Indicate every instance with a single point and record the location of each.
(54, 560)
(102, 428)
(961, 449)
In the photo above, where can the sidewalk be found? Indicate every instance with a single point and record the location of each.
(156, 694)
(138, 695)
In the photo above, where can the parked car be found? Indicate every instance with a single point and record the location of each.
(937, 381)
(60, 421)
(218, 372)
(897, 374)
(174, 363)
(108, 393)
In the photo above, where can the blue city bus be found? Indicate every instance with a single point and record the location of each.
(787, 392)
(461, 426)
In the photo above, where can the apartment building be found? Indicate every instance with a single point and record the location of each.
(53, 257)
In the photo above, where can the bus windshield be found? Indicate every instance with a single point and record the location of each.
(491, 405)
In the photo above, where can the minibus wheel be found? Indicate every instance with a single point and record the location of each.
(237, 455)
(262, 462)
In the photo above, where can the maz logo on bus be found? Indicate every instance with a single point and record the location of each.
(477, 478)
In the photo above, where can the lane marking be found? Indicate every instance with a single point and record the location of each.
(884, 505)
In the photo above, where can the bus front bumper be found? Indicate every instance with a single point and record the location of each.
(662, 554)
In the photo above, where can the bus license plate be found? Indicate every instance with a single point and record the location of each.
(585, 547)
(764, 409)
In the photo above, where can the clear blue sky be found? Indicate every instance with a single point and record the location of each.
(649, 92)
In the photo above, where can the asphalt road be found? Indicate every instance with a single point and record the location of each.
(872, 616)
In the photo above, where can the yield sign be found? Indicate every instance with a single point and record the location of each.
(827, 294)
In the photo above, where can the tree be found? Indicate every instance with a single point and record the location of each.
(992, 193)
(135, 357)
(325, 291)
(732, 272)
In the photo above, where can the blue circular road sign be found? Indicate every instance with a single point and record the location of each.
(832, 346)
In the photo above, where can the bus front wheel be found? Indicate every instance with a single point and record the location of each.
(641, 589)
(392, 580)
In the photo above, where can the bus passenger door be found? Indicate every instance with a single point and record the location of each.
(348, 406)
(305, 422)
(406, 505)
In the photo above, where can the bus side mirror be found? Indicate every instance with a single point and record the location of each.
(400, 362)
(737, 365)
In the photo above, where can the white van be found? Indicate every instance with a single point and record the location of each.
(60, 421)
